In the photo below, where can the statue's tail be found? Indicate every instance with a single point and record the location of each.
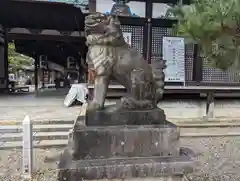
(158, 67)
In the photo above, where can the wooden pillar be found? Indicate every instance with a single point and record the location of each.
(36, 68)
(147, 53)
(6, 56)
(210, 105)
(197, 65)
(3, 59)
(80, 69)
(149, 9)
(92, 5)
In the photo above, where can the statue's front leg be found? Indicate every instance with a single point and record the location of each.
(100, 91)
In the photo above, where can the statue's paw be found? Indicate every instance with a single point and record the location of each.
(92, 106)
(128, 102)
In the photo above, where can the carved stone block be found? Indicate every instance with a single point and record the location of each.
(126, 141)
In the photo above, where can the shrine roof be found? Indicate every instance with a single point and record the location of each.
(41, 15)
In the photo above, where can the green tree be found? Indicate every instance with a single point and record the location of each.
(215, 26)
(17, 61)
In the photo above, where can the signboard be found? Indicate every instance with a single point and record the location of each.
(43, 62)
(71, 63)
(128, 38)
(46, 77)
(174, 54)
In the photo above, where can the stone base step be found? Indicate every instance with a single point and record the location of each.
(35, 122)
(37, 136)
(124, 167)
(36, 144)
(15, 139)
(11, 137)
(36, 128)
(12, 134)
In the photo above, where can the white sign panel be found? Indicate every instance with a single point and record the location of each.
(174, 54)
(128, 38)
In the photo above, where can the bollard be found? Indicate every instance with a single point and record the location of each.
(27, 149)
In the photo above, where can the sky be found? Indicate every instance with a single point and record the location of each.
(136, 7)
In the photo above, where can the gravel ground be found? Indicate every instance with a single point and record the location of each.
(219, 160)
(11, 164)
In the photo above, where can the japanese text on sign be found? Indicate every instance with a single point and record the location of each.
(174, 54)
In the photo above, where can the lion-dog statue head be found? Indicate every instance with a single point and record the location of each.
(98, 22)
(99, 26)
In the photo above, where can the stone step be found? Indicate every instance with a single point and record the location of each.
(125, 168)
(36, 128)
(184, 132)
(59, 139)
(35, 122)
(37, 136)
(36, 144)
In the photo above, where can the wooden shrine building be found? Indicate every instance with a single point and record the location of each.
(55, 30)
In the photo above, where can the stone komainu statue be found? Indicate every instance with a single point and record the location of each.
(110, 56)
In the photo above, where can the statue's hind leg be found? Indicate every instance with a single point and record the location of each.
(99, 94)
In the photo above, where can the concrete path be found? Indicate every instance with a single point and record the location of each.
(51, 107)
(44, 108)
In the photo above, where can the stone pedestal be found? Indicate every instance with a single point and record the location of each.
(117, 147)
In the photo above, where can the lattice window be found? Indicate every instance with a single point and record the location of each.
(137, 36)
(212, 74)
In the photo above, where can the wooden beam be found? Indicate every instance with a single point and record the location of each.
(41, 15)
(72, 39)
(92, 5)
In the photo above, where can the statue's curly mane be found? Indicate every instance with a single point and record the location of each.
(94, 21)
